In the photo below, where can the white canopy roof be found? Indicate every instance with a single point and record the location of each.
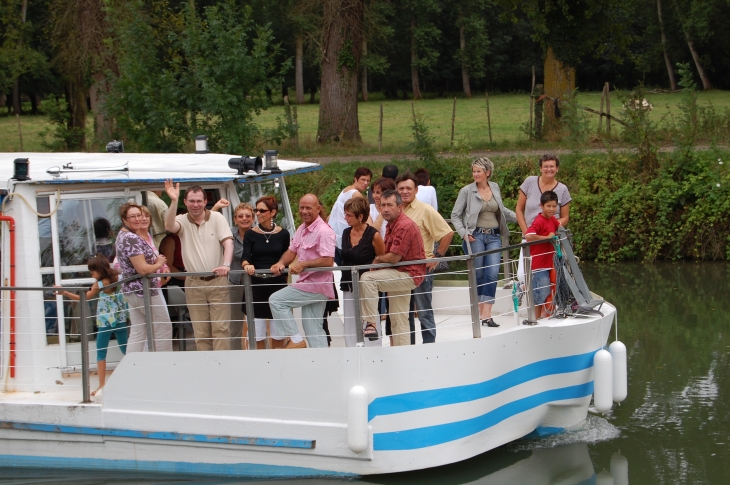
(140, 167)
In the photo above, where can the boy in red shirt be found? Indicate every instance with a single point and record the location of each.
(544, 228)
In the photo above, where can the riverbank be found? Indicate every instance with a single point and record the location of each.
(624, 208)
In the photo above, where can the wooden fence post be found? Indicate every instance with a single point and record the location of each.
(600, 116)
(380, 130)
(489, 119)
(532, 100)
(608, 107)
(20, 132)
(453, 121)
(538, 111)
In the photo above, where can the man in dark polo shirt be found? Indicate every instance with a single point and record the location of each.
(403, 242)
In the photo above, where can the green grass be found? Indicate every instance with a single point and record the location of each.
(509, 112)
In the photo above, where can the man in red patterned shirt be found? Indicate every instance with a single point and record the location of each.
(403, 242)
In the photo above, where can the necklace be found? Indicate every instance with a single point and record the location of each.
(267, 234)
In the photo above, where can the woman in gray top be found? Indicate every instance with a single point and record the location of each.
(528, 204)
(481, 219)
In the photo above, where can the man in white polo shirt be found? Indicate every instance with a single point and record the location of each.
(207, 246)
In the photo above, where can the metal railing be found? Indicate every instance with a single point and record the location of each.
(577, 284)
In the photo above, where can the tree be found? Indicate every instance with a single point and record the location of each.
(341, 48)
(569, 30)
(694, 17)
(419, 15)
(377, 31)
(665, 50)
(80, 36)
(18, 56)
(473, 40)
(183, 74)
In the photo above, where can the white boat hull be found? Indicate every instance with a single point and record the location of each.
(285, 414)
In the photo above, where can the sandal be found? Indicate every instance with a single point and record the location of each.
(370, 332)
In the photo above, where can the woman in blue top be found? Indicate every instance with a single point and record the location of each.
(112, 312)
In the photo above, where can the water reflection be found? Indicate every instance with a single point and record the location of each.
(565, 465)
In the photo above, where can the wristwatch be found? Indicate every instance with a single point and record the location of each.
(227, 264)
(437, 254)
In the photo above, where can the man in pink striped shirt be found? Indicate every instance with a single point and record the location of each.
(314, 246)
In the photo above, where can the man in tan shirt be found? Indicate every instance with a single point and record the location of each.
(207, 246)
(433, 228)
(157, 208)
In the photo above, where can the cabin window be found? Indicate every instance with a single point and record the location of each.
(82, 226)
(85, 227)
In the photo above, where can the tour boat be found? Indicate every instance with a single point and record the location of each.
(339, 411)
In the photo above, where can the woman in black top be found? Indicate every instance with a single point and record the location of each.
(263, 246)
(360, 244)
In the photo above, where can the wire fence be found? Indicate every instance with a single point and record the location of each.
(224, 324)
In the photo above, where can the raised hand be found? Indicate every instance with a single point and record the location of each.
(173, 191)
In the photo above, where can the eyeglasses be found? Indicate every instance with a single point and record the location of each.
(261, 211)
(136, 216)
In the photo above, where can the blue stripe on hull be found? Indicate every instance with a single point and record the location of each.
(435, 435)
(159, 435)
(413, 401)
(243, 470)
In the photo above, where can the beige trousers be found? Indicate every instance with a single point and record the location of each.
(209, 305)
(398, 285)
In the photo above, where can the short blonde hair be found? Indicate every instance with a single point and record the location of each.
(242, 206)
(485, 164)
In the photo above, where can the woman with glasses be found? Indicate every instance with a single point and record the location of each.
(263, 246)
(243, 216)
(137, 257)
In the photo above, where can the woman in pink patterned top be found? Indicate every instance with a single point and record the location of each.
(137, 257)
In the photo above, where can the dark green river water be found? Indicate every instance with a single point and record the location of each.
(674, 427)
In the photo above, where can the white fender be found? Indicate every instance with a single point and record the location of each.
(357, 419)
(604, 478)
(618, 353)
(619, 469)
(602, 381)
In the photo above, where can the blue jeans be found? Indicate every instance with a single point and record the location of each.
(487, 266)
(422, 297)
(312, 305)
(541, 285)
(103, 336)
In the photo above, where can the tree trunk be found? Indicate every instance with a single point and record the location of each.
(77, 105)
(341, 48)
(415, 85)
(706, 85)
(364, 73)
(464, 70)
(16, 97)
(559, 83)
(667, 61)
(16, 84)
(97, 92)
(299, 69)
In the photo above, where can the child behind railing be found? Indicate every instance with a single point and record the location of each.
(112, 312)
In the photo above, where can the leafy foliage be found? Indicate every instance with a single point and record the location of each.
(423, 141)
(207, 75)
(62, 137)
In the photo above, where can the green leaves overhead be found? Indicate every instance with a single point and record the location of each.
(208, 75)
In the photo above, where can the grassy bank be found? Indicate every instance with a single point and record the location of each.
(509, 112)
